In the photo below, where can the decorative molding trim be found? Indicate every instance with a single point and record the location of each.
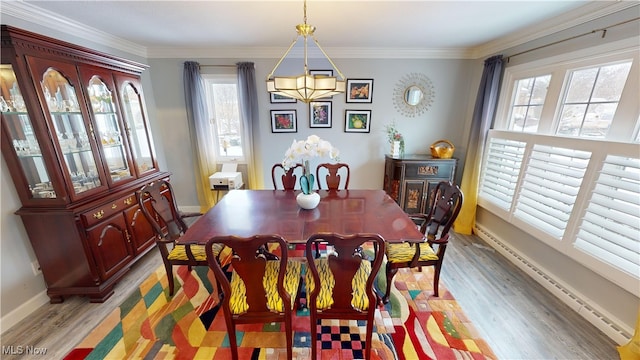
(607, 323)
(591, 11)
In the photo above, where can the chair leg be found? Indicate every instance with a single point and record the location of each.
(169, 270)
(314, 336)
(436, 278)
(289, 333)
(368, 339)
(391, 272)
(233, 341)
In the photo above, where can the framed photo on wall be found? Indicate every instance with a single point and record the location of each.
(284, 121)
(359, 90)
(279, 99)
(320, 114)
(357, 121)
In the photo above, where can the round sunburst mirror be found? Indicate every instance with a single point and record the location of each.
(413, 94)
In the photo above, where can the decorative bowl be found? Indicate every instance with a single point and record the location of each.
(442, 149)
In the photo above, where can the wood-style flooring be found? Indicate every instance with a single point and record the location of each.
(516, 316)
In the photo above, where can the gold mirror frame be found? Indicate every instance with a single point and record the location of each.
(413, 94)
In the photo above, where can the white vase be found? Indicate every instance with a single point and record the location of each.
(308, 201)
(395, 148)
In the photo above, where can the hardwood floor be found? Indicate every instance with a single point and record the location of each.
(514, 314)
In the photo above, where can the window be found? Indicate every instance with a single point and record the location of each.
(527, 104)
(591, 100)
(227, 131)
(562, 163)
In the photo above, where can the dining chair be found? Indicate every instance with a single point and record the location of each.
(345, 277)
(444, 204)
(333, 175)
(157, 203)
(287, 177)
(259, 290)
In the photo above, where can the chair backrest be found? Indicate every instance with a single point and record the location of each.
(335, 173)
(158, 204)
(250, 264)
(288, 178)
(444, 206)
(345, 262)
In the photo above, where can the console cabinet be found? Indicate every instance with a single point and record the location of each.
(76, 140)
(409, 179)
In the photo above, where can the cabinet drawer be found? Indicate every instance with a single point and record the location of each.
(96, 215)
(430, 170)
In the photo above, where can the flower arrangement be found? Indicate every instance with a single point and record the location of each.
(394, 135)
(300, 152)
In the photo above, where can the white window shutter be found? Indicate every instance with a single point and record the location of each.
(610, 228)
(501, 170)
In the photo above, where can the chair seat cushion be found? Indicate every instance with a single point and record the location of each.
(359, 299)
(238, 299)
(399, 253)
(179, 252)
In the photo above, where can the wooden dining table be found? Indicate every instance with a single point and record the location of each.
(252, 212)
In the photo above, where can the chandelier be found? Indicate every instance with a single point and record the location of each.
(305, 87)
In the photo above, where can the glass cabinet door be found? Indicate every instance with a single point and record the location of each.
(109, 131)
(71, 132)
(18, 125)
(139, 137)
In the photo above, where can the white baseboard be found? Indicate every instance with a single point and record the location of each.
(608, 324)
(22, 311)
(189, 209)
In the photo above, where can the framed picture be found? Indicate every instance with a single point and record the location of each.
(284, 121)
(277, 99)
(357, 121)
(359, 90)
(320, 114)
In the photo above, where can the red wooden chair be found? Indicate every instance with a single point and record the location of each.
(345, 277)
(288, 177)
(259, 290)
(444, 204)
(334, 174)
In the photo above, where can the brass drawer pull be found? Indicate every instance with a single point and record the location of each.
(114, 206)
(99, 214)
(128, 201)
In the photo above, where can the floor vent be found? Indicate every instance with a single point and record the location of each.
(572, 300)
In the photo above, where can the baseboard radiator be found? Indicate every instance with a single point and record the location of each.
(571, 298)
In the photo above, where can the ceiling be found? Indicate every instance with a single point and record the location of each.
(445, 26)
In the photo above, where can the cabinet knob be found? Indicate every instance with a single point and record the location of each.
(99, 214)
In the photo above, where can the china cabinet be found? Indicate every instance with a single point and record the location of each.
(409, 179)
(76, 140)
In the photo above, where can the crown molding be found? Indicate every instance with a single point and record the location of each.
(36, 15)
(591, 11)
(584, 14)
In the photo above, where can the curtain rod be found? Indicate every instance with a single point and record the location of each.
(604, 32)
(233, 66)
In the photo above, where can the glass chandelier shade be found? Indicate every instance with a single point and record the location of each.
(305, 87)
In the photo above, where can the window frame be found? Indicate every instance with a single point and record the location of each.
(208, 80)
(505, 167)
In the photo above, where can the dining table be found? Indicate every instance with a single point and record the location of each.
(247, 213)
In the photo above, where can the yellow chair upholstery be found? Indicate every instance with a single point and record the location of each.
(238, 300)
(340, 285)
(359, 298)
(263, 285)
(404, 252)
(444, 205)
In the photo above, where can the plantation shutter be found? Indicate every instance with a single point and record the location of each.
(501, 170)
(610, 229)
(550, 186)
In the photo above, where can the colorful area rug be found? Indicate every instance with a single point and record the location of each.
(152, 325)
